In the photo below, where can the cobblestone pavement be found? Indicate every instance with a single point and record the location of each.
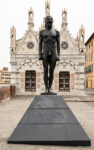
(12, 111)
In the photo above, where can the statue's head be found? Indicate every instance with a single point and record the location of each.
(48, 22)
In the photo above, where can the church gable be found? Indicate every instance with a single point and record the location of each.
(67, 43)
(28, 44)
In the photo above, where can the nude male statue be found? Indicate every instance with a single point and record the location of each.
(49, 51)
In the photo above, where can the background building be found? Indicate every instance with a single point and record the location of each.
(4, 76)
(27, 70)
(89, 67)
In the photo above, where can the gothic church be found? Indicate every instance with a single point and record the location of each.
(27, 70)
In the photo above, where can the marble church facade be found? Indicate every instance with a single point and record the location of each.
(27, 70)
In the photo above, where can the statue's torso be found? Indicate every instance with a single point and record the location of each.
(49, 41)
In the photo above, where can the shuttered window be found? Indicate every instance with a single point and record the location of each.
(30, 80)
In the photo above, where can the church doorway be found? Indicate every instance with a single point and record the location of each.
(30, 80)
(64, 81)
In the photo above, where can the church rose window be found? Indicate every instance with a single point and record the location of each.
(30, 45)
(30, 80)
(64, 45)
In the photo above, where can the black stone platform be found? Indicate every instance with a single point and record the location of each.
(49, 120)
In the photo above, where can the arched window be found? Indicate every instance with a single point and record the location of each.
(30, 80)
(64, 81)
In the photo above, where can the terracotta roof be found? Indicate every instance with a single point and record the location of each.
(90, 38)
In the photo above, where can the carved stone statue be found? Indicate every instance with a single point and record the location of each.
(49, 51)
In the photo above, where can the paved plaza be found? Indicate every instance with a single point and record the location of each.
(11, 112)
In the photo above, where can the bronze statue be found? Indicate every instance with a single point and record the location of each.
(49, 51)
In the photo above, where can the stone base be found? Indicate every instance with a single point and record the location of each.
(49, 120)
(49, 93)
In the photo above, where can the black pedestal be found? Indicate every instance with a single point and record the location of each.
(49, 120)
(49, 93)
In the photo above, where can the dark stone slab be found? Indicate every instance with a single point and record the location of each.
(63, 134)
(49, 116)
(48, 120)
(48, 101)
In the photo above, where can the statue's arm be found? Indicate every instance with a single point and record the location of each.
(40, 45)
(58, 43)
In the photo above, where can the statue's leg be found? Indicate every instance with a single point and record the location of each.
(51, 71)
(45, 66)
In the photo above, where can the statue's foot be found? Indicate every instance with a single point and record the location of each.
(46, 92)
(51, 92)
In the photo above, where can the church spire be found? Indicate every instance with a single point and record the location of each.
(12, 38)
(81, 39)
(47, 8)
(47, 13)
(64, 18)
(30, 18)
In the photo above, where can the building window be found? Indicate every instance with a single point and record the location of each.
(64, 81)
(91, 56)
(92, 44)
(89, 46)
(86, 83)
(89, 69)
(85, 57)
(30, 80)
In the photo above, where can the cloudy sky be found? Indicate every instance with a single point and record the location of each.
(15, 12)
